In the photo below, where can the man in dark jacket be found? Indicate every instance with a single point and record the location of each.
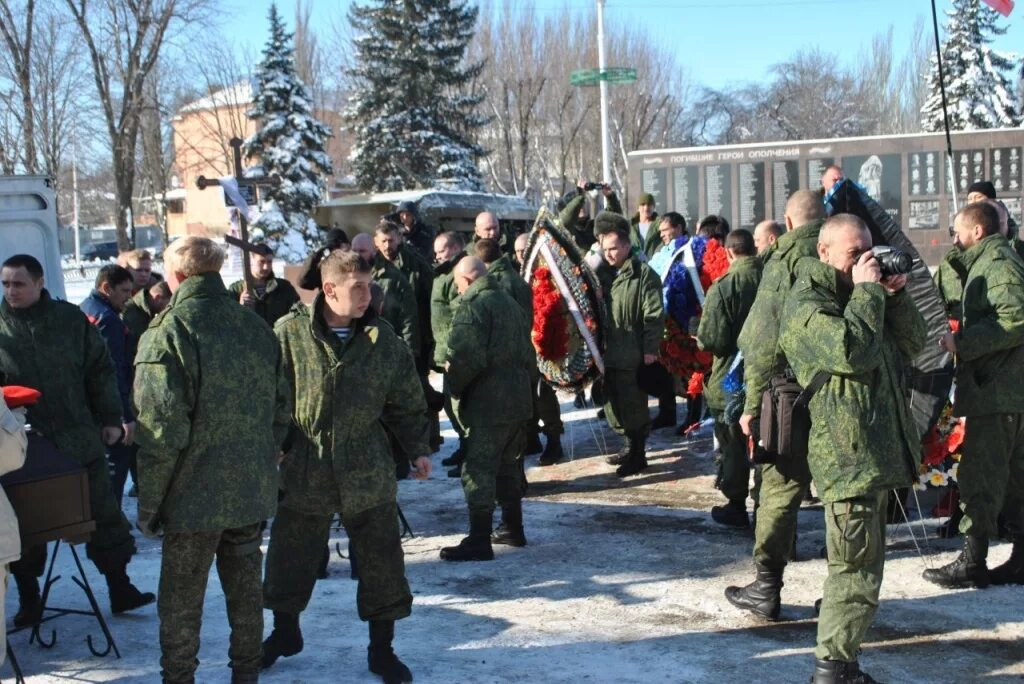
(349, 375)
(725, 309)
(489, 356)
(112, 291)
(213, 408)
(851, 331)
(636, 322)
(990, 394)
(50, 346)
(399, 301)
(575, 216)
(272, 297)
(415, 232)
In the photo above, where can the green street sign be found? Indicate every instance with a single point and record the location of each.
(585, 78)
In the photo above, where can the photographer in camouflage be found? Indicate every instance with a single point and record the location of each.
(350, 376)
(846, 325)
(212, 414)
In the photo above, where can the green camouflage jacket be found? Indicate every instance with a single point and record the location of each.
(345, 394)
(399, 302)
(212, 406)
(442, 305)
(137, 314)
(420, 275)
(52, 347)
(990, 344)
(636, 318)
(277, 299)
(726, 307)
(569, 217)
(759, 336)
(863, 439)
(489, 357)
(949, 279)
(650, 244)
(505, 275)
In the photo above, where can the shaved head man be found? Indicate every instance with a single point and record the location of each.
(467, 271)
(766, 233)
(520, 248)
(803, 207)
(486, 226)
(363, 245)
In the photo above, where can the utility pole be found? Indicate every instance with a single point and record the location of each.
(74, 196)
(606, 162)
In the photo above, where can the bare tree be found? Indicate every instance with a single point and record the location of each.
(18, 40)
(123, 41)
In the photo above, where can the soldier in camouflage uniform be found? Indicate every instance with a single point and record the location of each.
(399, 300)
(545, 402)
(49, 345)
(449, 249)
(643, 231)
(575, 215)
(489, 356)
(725, 309)
(351, 378)
(488, 227)
(212, 414)
(143, 307)
(989, 381)
(273, 297)
(636, 322)
(858, 331)
(784, 482)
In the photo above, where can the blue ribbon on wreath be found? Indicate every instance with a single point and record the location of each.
(679, 296)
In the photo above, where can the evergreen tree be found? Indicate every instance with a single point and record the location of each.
(411, 113)
(979, 92)
(290, 146)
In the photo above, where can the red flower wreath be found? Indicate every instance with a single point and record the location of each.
(550, 332)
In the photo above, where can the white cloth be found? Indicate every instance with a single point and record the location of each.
(13, 442)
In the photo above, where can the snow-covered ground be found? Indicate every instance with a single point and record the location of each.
(622, 581)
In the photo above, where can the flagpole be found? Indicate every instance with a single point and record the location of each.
(945, 110)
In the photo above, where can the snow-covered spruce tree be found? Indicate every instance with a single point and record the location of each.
(290, 146)
(411, 110)
(979, 86)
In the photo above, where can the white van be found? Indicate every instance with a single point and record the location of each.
(28, 225)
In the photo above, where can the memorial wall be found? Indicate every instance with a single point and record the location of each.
(908, 175)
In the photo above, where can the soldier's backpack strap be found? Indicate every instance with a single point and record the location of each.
(816, 383)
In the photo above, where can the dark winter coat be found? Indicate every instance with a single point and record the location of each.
(115, 333)
(277, 300)
(213, 408)
(863, 439)
(489, 357)
(584, 235)
(399, 301)
(725, 309)
(636, 318)
(52, 347)
(345, 394)
(421, 238)
(990, 344)
(420, 274)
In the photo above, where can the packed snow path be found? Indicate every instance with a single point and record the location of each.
(620, 582)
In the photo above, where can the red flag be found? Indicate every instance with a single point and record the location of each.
(1004, 7)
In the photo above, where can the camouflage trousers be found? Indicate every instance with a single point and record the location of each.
(782, 489)
(296, 549)
(855, 537)
(991, 474)
(625, 405)
(493, 469)
(184, 570)
(110, 547)
(734, 466)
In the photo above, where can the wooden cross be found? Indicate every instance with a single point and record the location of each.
(243, 222)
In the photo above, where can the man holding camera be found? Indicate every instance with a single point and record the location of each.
(576, 218)
(849, 323)
(989, 377)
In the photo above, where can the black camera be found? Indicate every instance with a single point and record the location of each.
(591, 185)
(893, 262)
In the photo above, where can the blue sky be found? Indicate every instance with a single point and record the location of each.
(720, 42)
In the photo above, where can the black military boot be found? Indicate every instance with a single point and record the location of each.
(381, 657)
(456, 471)
(123, 594)
(636, 460)
(968, 570)
(456, 458)
(762, 597)
(284, 641)
(1012, 571)
(30, 603)
(510, 531)
(476, 546)
(244, 677)
(623, 455)
(552, 451)
(666, 412)
(733, 514)
(839, 672)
